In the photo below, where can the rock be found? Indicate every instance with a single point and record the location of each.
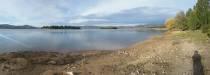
(15, 64)
(52, 62)
(48, 72)
(60, 62)
(21, 61)
(70, 73)
(2, 60)
(52, 72)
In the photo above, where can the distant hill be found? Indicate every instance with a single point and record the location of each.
(150, 26)
(8, 26)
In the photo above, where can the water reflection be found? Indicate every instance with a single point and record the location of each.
(70, 40)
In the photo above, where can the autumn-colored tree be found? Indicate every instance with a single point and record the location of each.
(170, 23)
(196, 18)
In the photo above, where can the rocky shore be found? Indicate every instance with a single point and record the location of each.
(43, 63)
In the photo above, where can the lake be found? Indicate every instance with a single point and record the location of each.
(70, 40)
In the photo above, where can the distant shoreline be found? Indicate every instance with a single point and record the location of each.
(8, 26)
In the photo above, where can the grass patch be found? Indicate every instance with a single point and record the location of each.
(193, 36)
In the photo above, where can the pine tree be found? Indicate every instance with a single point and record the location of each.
(202, 14)
(192, 21)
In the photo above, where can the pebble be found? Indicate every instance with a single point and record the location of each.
(52, 62)
(70, 73)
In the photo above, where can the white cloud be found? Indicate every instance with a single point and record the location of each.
(83, 20)
(81, 11)
(32, 11)
(107, 7)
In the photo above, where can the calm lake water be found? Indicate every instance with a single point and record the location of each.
(70, 40)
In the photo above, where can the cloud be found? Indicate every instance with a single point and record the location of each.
(41, 12)
(33, 11)
(142, 15)
(107, 7)
(137, 15)
(83, 20)
(136, 11)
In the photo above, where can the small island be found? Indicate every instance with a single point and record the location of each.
(60, 27)
(108, 27)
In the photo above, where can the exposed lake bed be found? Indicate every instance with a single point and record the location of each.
(38, 63)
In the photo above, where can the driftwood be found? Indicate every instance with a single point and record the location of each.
(197, 64)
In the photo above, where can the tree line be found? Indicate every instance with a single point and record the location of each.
(196, 18)
(61, 27)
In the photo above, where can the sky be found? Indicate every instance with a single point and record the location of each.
(89, 12)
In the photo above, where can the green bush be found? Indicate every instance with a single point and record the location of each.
(208, 33)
